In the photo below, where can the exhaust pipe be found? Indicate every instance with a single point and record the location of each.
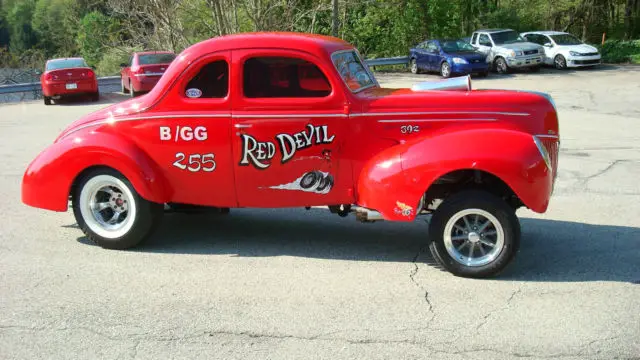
(367, 215)
(460, 83)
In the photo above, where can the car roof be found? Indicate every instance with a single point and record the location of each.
(546, 32)
(277, 40)
(67, 58)
(493, 30)
(153, 52)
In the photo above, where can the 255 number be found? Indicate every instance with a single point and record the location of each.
(196, 162)
(409, 129)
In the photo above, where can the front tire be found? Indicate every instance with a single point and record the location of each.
(445, 70)
(560, 62)
(501, 66)
(414, 66)
(474, 234)
(111, 213)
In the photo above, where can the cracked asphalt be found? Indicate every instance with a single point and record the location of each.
(293, 284)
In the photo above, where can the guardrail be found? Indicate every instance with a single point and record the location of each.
(115, 80)
(35, 86)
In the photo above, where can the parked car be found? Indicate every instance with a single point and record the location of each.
(144, 70)
(304, 123)
(448, 57)
(66, 77)
(564, 50)
(506, 50)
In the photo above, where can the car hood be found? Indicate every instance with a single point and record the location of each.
(582, 48)
(468, 55)
(524, 46)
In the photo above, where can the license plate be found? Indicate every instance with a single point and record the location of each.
(72, 86)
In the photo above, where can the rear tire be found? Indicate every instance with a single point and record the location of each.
(123, 89)
(110, 212)
(47, 100)
(479, 252)
(95, 96)
(132, 92)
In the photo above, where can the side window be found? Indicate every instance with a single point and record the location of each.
(484, 40)
(474, 38)
(283, 77)
(432, 47)
(544, 39)
(211, 82)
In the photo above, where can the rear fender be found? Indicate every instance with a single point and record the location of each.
(48, 180)
(394, 181)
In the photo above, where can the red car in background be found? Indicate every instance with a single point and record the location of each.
(68, 76)
(144, 70)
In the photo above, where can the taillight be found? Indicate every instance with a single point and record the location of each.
(90, 73)
(48, 77)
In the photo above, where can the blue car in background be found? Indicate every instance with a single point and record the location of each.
(448, 57)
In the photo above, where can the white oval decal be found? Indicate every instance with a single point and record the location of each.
(194, 93)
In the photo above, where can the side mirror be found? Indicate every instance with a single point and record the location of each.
(548, 45)
(123, 65)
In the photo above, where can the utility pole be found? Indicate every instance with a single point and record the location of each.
(334, 18)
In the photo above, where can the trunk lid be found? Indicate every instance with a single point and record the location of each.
(72, 74)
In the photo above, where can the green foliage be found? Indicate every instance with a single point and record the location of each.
(54, 26)
(109, 64)
(616, 51)
(18, 18)
(95, 31)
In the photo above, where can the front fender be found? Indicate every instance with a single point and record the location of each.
(48, 179)
(398, 177)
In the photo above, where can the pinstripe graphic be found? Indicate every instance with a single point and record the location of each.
(440, 113)
(432, 120)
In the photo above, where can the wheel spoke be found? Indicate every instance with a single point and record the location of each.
(475, 220)
(489, 233)
(114, 218)
(471, 248)
(482, 251)
(466, 223)
(488, 243)
(100, 206)
(459, 228)
(484, 226)
(459, 237)
(462, 246)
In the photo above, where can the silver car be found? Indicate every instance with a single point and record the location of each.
(506, 49)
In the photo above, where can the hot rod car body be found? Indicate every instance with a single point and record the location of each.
(297, 120)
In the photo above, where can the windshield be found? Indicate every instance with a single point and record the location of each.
(155, 59)
(507, 37)
(352, 71)
(65, 64)
(566, 39)
(456, 46)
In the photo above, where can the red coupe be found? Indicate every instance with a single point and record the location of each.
(68, 76)
(276, 120)
(144, 70)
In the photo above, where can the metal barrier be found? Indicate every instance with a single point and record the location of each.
(35, 86)
(115, 80)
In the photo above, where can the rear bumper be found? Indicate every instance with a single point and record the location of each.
(525, 61)
(144, 82)
(60, 88)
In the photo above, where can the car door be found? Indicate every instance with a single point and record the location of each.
(549, 51)
(422, 58)
(484, 44)
(433, 54)
(188, 133)
(288, 119)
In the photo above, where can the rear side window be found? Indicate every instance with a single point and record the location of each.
(283, 77)
(211, 82)
(484, 40)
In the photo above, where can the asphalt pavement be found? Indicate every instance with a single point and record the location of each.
(298, 284)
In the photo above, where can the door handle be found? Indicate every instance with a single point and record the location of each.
(242, 126)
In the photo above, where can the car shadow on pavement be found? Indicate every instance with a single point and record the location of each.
(551, 250)
(79, 100)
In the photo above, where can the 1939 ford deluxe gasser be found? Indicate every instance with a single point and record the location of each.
(297, 120)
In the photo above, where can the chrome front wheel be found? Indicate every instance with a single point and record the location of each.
(473, 237)
(474, 234)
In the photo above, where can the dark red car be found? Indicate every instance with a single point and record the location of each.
(68, 76)
(144, 70)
